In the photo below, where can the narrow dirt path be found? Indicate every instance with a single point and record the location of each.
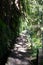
(19, 52)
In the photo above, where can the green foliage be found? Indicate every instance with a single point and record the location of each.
(32, 19)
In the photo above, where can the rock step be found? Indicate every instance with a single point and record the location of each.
(17, 61)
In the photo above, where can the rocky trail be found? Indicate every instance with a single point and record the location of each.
(19, 54)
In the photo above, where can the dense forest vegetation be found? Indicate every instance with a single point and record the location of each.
(17, 16)
(33, 17)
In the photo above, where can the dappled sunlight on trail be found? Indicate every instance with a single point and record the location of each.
(18, 55)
